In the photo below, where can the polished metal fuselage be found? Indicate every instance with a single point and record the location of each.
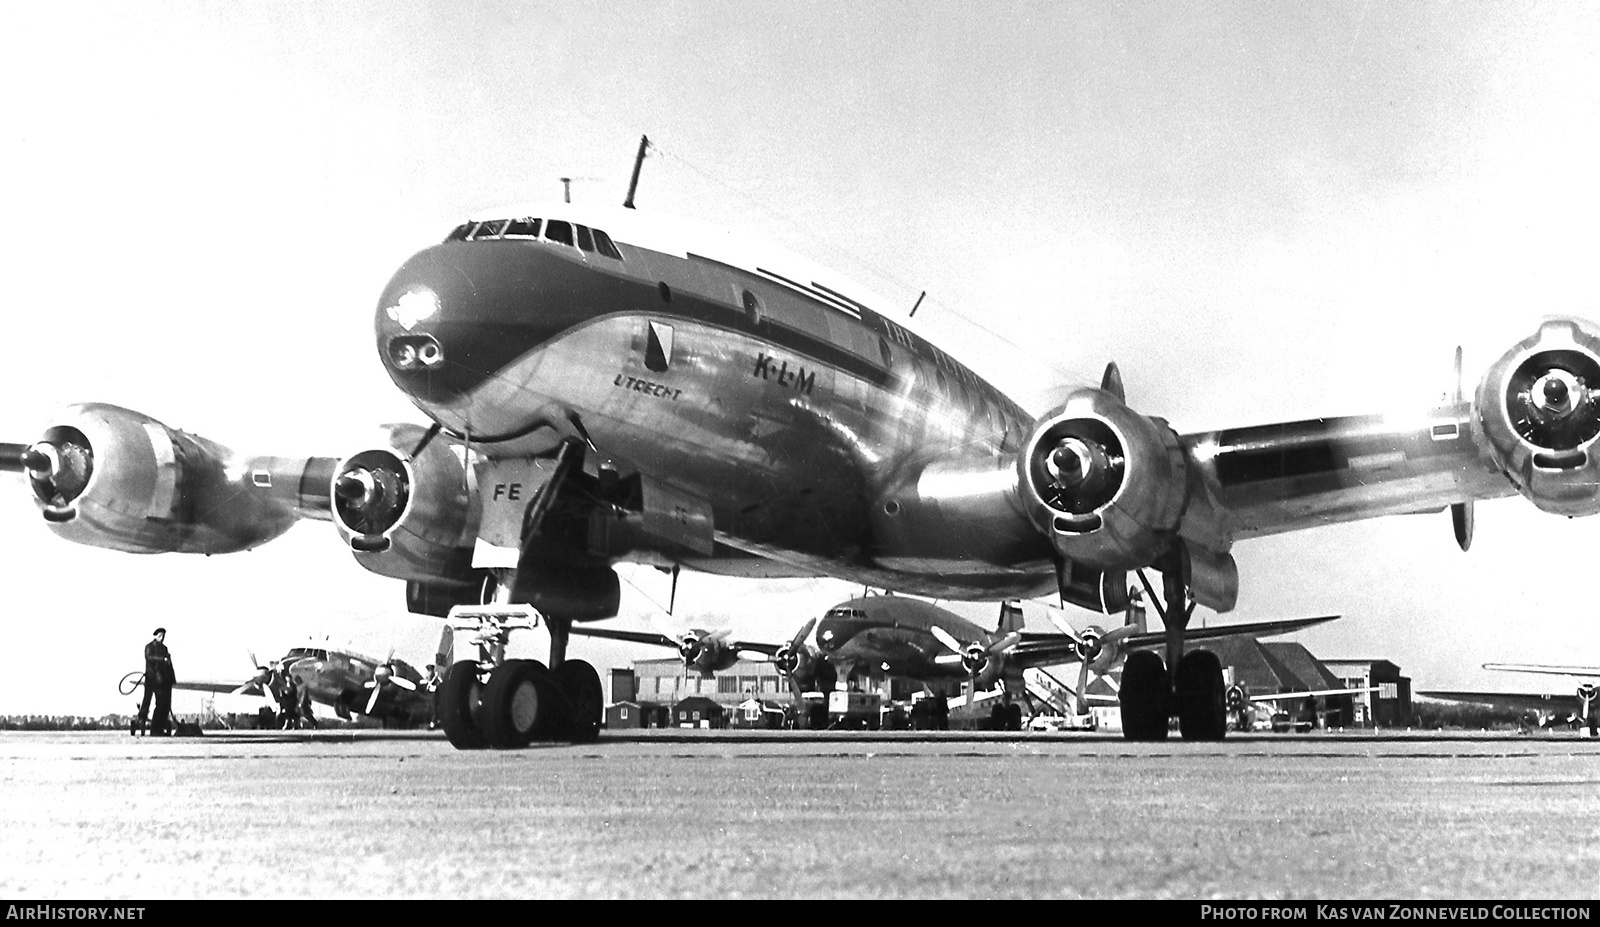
(820, 435)
(829, 439)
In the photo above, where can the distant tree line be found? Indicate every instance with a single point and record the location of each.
(1466, 715)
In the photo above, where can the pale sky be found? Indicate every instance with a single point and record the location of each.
(1263, 212)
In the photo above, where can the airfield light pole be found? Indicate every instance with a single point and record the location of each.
(638, 162)
(566, 189)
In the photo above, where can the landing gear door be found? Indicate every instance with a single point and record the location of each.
(676, 517)
(506, 487)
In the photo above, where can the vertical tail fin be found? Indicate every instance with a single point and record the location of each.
(1010, 617)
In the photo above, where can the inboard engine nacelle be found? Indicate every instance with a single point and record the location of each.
(1539, 410)
(1113, 490)
(406, 508)
(110, 477)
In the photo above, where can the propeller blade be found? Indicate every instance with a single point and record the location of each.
(945, 638)
(372, 702)
(403, 683)
(1059, 619)
(801, 635)
(947, 658)
(1005, 643)
(1083, 687)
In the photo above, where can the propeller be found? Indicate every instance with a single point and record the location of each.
(59, 470)
(1461, 516)
(1586, 696)
(385, 674)
(266, 677)
(794, 660)
(1098, 649)
(977, 658)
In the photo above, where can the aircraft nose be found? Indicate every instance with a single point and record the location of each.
(457, 313)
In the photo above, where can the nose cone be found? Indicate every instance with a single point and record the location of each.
(458, 313)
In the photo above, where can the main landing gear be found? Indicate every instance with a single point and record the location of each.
(1193, 691)
(509, 703)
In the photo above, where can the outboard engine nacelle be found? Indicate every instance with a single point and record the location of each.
(1539, 410)
(407, 509)
(110, 477)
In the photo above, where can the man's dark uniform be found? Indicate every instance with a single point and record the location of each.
(158, 680)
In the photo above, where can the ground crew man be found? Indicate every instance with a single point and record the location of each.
(158, 681)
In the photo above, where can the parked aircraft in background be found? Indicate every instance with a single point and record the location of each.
(390, 690)
(1578, 707)
(702, 651)
(612, 385)
(916, 640)
(1250, 711)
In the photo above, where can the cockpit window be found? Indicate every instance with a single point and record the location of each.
(490, 229)
(558, 231)
(522, 228)
(603, 244)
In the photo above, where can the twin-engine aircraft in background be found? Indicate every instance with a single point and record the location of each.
(1549, 707)
(610, 385)
(391, 689)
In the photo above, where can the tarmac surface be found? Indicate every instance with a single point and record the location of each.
(721, 814)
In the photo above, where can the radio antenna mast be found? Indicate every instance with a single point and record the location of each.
(638, 162)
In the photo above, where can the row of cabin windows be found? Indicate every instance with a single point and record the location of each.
(558, 231)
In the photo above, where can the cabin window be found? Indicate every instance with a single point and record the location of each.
(459, 233)
(522, 228)
(603, 244)
(558, 231)
(752, 307)
(585, 240)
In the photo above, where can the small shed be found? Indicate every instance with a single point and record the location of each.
(698, 711)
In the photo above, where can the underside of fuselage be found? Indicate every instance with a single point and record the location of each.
(820, 436)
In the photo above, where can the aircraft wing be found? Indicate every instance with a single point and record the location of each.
(662, 640)
(1252, 629)
(1281, 696)
(1544, 668)
(1052, 649)
(235, 687)
(636, 637)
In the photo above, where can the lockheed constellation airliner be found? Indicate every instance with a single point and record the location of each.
(610, 385)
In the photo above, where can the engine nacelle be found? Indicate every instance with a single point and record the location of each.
(407, 513)
(109, 477)
(1538, 408)
(705, 652)
(1106, 484)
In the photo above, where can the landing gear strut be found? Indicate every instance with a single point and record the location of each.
(507, 704)
(1193, 689)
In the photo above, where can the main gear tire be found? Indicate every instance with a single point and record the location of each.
(586, 706)
(1145, 697)
(520, 703)
(459, 696)
(1201, 697)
